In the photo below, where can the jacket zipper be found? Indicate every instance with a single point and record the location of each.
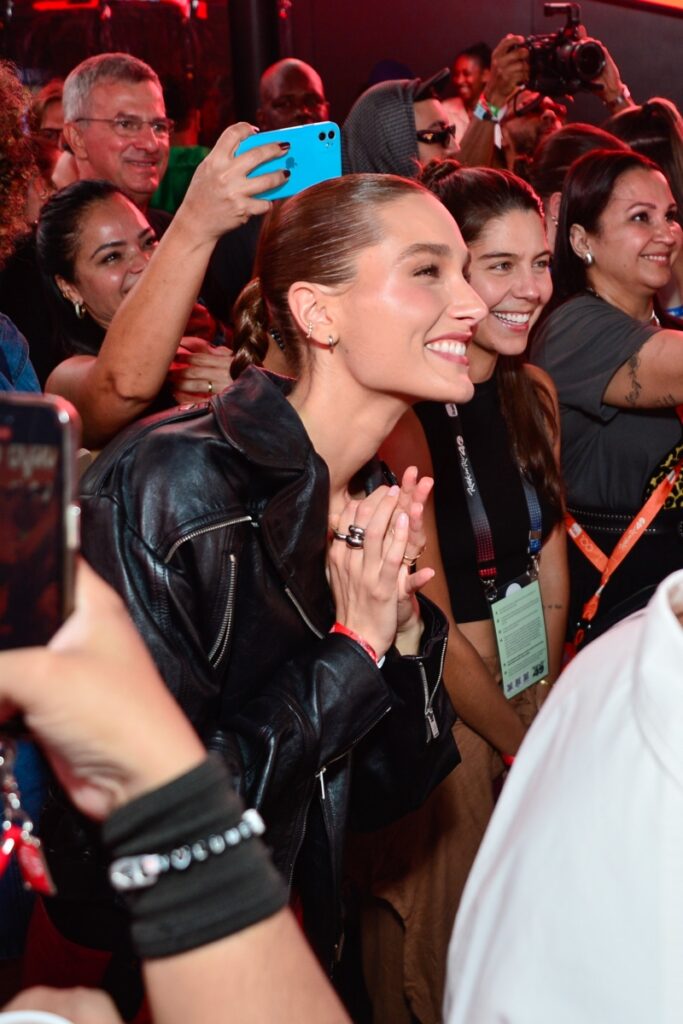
(432, 724)
(221, 641)
(321, 773)
(218, 649)
(205, 529)
(303, 614)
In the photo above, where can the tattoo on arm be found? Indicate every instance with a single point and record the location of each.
(633, 393)
(666, 401)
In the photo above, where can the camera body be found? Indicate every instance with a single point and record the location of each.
(561, 63)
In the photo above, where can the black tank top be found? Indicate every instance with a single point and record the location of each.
(489, 450)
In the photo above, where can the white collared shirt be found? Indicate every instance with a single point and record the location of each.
(573, 912)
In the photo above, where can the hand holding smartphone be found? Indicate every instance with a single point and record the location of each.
(39, 436)
(314, 155)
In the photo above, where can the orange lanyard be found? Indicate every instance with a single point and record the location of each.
(631, 535)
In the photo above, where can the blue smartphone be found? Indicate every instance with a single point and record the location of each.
(314, 155)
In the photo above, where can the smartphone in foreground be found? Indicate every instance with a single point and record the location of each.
(314, 155)
(39, 516)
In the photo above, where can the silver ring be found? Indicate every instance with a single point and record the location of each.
(356, 536)
(340, 536)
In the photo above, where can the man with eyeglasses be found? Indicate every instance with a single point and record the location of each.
(115, 123)
(115, 127)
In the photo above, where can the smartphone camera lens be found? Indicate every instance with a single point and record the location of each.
(321, 136)
(330, 135)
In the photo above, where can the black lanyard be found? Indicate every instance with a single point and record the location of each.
(483, 538)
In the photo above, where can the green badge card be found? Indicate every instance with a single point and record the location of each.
(520, 634)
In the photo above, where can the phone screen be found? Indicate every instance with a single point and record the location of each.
(37, 518)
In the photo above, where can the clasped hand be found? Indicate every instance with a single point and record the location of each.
(374, 591)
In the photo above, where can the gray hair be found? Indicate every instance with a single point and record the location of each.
(104, 67)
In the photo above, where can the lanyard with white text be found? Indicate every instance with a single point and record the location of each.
(483, 538)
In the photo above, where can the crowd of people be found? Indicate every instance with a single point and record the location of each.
(367, 468)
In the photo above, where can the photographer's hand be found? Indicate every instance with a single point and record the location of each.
(509, 70)
(609, 86)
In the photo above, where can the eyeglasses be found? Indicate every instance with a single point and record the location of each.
(130, 127)
(436, 136)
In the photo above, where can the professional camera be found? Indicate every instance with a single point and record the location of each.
(561, 62)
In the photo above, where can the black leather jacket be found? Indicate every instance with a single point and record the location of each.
(212, 524)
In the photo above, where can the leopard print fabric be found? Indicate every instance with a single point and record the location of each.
(675, 499)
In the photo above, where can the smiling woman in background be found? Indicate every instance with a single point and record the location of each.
(618, 370)
(94, 244)
(503, 446)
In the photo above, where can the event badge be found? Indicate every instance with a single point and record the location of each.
(519, 624)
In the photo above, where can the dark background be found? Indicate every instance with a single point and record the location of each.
(342, 39)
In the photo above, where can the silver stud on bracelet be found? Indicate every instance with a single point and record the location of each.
(143, 870)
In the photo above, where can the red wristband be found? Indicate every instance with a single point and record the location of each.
(508, 760)
(339, 628)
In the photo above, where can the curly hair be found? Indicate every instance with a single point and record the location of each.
(17, 164)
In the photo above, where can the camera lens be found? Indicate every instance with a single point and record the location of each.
(589, 60)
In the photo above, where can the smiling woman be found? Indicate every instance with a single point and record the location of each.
(115, 243)
(494, 536)
(263, 551)
(618, 368)
(93, 245)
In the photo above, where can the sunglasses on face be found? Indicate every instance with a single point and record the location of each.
(436, 136)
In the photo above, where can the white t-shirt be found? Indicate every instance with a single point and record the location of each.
(573, 912)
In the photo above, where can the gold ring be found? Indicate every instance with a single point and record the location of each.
(210, 388)
(411, 561)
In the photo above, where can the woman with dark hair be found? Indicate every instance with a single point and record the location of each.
(655, 129)
(502, 446)
(93, 246)
(618, 370)
(265, 568)
(553, 158)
